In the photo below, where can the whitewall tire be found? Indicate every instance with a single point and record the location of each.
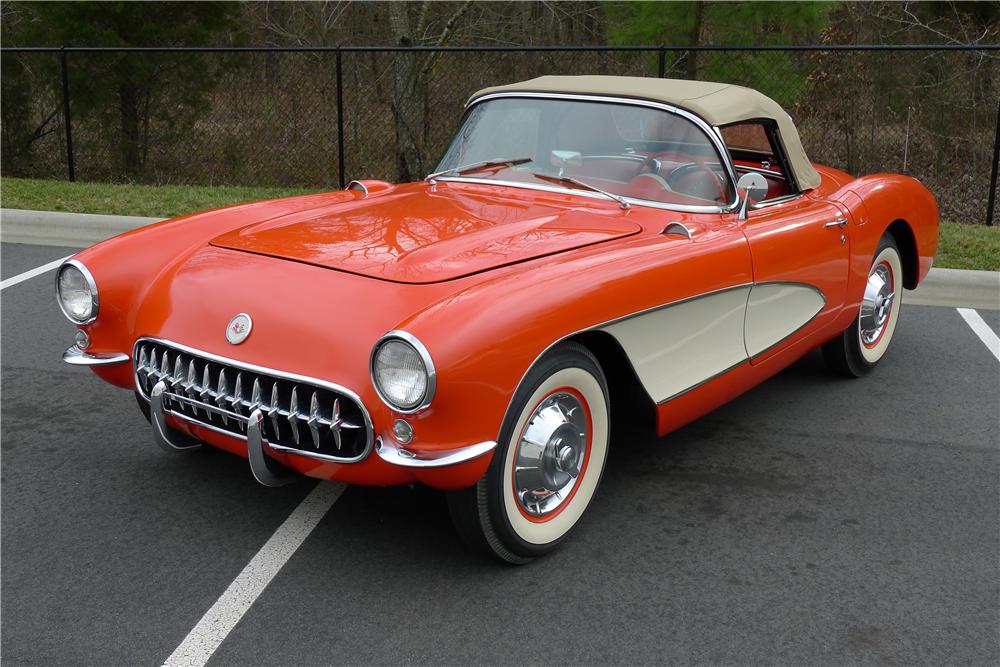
(548, 463)
(863, 345)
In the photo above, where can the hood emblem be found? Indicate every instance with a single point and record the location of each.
(238, 328)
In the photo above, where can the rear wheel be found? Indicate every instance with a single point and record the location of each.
(548, 462)
(862, 345)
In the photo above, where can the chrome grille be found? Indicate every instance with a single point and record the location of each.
(304, 416)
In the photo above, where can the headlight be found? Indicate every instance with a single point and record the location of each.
(76, 292)
(402, 372)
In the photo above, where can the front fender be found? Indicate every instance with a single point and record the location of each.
(126, 267)
(484, 338)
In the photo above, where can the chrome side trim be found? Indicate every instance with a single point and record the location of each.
(652, 309)
(165, 437)
(703, 382)
(396, 455)
(293, 377)
(713, 137)
(74, 356)
(425, 356)
(606, 323)
(94, 301)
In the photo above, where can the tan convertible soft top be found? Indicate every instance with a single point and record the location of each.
(718, 103)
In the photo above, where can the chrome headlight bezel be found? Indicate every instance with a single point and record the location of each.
(91, 285)
(429, 371)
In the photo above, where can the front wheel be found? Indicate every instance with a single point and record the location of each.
(859, 349)
(548, 462)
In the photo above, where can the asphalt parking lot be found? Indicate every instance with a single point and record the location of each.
(813, 521)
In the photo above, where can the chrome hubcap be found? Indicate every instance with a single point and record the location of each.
(876, 305)
(550, 454)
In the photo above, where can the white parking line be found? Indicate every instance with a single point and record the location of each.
(21, 277)
(979, 326)
(216, 624)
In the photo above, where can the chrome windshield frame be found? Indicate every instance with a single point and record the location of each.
(713, 136)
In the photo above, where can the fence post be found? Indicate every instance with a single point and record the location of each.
(340, 119)
(663, 62)
(992, 201)
(66, 117)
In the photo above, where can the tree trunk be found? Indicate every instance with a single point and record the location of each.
(409, 95)
(694, 39)
(409, 92)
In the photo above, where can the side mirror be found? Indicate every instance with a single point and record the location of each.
(751, 188)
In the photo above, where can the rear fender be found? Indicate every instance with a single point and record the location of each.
(900, 204)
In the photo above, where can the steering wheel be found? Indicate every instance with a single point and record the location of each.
(709, 186)
(650, 165)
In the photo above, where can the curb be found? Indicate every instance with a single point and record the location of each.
(942, 287)
(959, 288)
(72, 230)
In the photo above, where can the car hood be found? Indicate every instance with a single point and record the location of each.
(425, 234)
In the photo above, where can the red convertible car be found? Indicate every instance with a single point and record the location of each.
(585, 242)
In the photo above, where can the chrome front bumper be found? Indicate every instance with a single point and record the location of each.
(74, 356)
(400, 456)
(265, 469)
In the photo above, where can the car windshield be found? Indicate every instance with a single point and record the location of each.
(639, 152)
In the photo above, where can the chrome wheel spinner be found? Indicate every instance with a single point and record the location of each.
(550, 454)
(876, 305)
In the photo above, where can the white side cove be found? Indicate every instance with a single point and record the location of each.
(777, 310)
(679, 346)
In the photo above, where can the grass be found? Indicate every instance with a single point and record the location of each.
(961, 246)
(968, 247)
(155, 201)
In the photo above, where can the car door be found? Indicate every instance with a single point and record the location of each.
(799, 246)
(800, 251)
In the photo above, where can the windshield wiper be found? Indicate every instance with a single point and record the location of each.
(475, 166)
(569, 179)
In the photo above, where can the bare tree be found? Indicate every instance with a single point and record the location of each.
(411, 26)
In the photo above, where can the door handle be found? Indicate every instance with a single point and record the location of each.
(839, 222)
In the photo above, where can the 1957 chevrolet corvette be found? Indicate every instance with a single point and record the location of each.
(584, 241)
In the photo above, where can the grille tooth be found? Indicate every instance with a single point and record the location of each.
(335, 423)
(165, 366)
(237, 398)
(178, 375)
(272, 411)
(154, 372)
(143, 357)
(191, 382)
(313, 420)
(221, 393)
(206, 385)
(293, 414)
(194, 383)
(255, 395)
(190, 385)
(142, 369)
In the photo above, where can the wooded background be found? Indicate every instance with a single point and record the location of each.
(271, 118)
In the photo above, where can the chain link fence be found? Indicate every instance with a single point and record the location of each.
(320, 117)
